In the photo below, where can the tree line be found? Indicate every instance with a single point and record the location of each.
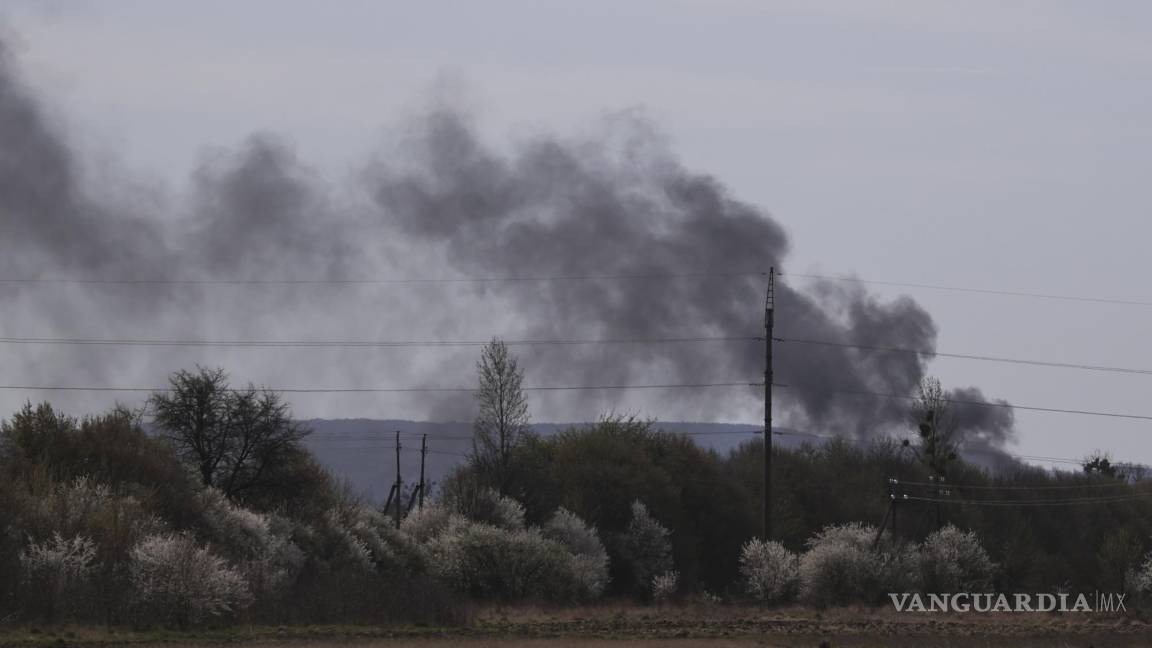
(214, 512)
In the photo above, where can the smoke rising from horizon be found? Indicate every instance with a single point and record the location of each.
(445, 203)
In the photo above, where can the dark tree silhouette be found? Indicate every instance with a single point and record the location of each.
(234, 438)
(934, 421)
(1100, 464)
(502, 422)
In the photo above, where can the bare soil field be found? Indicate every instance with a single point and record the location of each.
(684, 626)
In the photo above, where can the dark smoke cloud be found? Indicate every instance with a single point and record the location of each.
(624, 206)
(447, 204)
(46, 220)
(982, 428)
(259, 211)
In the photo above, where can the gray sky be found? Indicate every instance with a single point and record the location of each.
(981, 144)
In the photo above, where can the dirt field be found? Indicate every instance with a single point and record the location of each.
(712, 627)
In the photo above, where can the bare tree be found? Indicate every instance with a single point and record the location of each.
(502, 421)
(233, 437)
(932, 417)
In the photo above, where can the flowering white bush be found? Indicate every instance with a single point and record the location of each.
(56, 569)
(79, 499)
(562, 560)
(645, 548)
(954, 561)
(841, 566)
(569, 530)
(1139, 579)
(664, 585)
(329, 541)
(183, 583)
(710, 598)
(257, 543)
(770, 572)
(487, 506)
(389, 549)
(233, 529)
(588, 553)
(490, 562)
(426, 523)
(60, 559)
(84, 507)
(67, 507)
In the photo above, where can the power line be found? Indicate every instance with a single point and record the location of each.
(1066, 460)
(987, 291)
(541, 342)
(363, 343)
(1051, 502)
(387, 281)
(376, 390)
(341, 438)
(1117, 484)
(967, 356)
(557, 278)
(966, 450)
(433, 436)
(954, 401)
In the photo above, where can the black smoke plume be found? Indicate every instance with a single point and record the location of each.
(644, 248)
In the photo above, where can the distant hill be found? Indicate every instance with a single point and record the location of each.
(362, 451)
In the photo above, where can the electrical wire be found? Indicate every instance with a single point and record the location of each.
(987, 291)
(954, 401)
(434, 437)
(377, 390)
(1052, 502)
(553, 278)
(948, 485)
(388, 437)
(966, 356)
(360, 343)
(965, 450)
(388, 281)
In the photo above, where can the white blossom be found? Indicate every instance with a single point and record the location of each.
(490, 562)
(263, 552)
(954, 561)
(841, 566)
(424, 524)
(645, 547)
(664, 585)
(184, 583)
(62, 561)
(769, 570)
(588, 553)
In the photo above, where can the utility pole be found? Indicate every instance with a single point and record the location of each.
(399, 482)
(388, 502)
(895, 499)
(769, 308)
(889, 513)
(935, 480)
(418, 494)
(423, 453)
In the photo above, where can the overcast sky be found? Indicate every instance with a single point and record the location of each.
(979, 144)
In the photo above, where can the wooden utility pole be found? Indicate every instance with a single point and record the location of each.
(388, 502)
(769, 308)
(895, 500)
(889, 513)
(418, 494)
(423, 453)
(399, 482)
